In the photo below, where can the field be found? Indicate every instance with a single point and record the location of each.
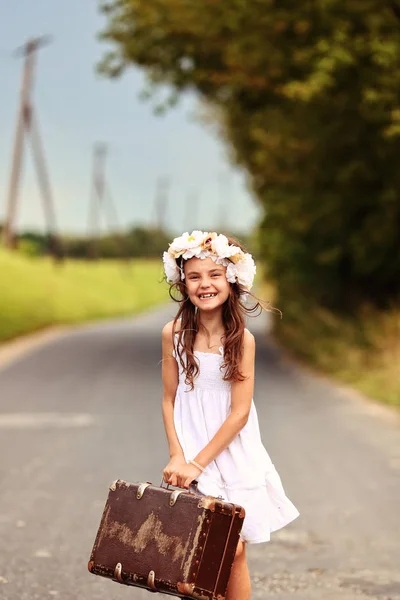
(35, 292)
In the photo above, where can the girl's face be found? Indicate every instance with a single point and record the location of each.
(206, 283)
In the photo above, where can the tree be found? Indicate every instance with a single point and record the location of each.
(307, 99)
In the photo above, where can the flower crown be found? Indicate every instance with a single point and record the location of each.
(240, 266)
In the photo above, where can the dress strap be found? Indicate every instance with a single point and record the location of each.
(176, 338)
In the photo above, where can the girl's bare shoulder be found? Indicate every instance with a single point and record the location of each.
(168, 329)
(248, 335)
(249, 341)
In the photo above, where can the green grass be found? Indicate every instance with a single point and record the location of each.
(35, 293)
(362, 351)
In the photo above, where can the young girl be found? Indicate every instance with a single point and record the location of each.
(208, 376)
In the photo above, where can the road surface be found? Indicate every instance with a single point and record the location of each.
(84, 409)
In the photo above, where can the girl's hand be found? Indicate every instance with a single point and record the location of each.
(174, 465)
(179, 473)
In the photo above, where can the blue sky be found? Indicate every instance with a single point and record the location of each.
(76, 108)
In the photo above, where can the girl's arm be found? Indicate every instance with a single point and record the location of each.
(241, 397)
(170, 384)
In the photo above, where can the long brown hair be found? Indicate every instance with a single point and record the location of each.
(233, 318)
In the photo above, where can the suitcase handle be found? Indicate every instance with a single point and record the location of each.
(194, 483)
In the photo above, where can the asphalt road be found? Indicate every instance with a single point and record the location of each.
(84, 409)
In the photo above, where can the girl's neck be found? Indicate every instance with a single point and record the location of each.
(212, 322)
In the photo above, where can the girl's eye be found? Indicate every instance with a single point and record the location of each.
(215, 275)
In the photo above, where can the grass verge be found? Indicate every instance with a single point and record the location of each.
(363, 351)
(35, 293)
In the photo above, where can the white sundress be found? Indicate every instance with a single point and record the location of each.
(243, 473)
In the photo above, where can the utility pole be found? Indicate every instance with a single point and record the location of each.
(191, 211)
(161, 202)
(44, 184)
(24, 122)
(101, 202)
(223, 217)
(97, 194)
(113, 219)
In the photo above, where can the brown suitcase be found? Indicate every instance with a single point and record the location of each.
(167, 540)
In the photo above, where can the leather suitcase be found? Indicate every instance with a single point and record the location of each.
(167, 540)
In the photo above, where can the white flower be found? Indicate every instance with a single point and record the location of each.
(235, 253)
(220, 261)
(191, 252)
(171, 268)
(245, 271)
(231, 273)
(220, 245)
(185, 242)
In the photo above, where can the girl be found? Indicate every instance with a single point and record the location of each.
(208, 377)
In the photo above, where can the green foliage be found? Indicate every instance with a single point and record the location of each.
(29, 247)
(137, 242)
(32, 243)
(307, 98)
(362, 350)
(147, 242)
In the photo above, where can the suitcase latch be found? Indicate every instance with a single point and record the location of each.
(141, 489)
(118, 573)
(151, 581)
(174, 497)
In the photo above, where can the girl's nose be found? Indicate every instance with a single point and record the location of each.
(205, 283)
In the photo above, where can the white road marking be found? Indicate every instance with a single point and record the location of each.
(42, 554)
(41, 420)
